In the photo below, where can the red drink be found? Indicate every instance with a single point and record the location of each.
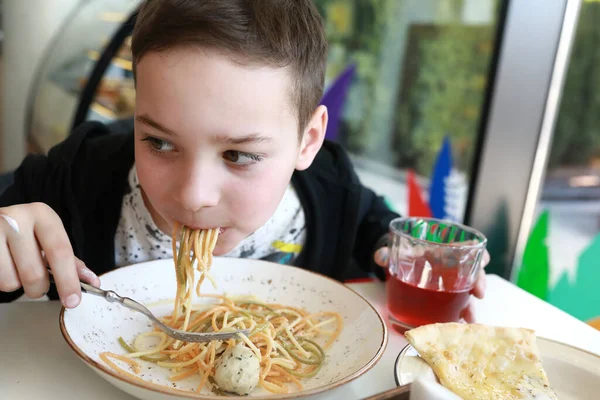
(426, 290)
(415, 306)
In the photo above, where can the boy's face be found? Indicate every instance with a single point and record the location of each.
(216, 142)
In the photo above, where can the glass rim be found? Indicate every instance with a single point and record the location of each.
(466, 228)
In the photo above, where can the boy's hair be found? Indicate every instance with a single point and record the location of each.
(276, 33)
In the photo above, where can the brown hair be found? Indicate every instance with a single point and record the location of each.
(277, 33)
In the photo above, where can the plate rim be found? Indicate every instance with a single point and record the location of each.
(192, 395)
(408, 346)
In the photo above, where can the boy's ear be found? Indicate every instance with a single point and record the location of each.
(312, 138)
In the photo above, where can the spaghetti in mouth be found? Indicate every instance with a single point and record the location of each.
(195, 248)
(285, 345)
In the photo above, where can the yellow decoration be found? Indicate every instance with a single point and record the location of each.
(287, 247)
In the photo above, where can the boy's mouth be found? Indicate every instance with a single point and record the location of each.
(222, 229)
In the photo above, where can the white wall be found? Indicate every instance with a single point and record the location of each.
(29, 25)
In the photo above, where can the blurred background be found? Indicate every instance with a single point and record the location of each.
(480, 111)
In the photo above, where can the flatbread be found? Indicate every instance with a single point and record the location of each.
(483, 362)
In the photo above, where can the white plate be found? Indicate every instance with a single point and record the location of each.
(96, 325)
(573, 373)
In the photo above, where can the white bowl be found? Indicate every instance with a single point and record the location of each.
(95, 325)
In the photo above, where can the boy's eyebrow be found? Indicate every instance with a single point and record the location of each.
(145, 119)
(251, 138)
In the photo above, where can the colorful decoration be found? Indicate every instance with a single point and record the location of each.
(595, 323)
(447, 191)
(334, 99)
(535, 269)
(579, 296)
(441, 172)
(417, 206)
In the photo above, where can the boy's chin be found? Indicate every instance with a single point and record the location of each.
(224, 246)
(220, 250)
(228, 241)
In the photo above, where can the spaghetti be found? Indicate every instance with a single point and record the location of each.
(284, 346)
(195, 247)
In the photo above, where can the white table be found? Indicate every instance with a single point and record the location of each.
(36, 363)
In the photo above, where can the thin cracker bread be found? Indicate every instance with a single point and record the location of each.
(483, 362)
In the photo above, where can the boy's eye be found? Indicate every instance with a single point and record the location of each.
(158, 144)
(240, 158)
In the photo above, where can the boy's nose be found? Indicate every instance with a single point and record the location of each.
(199, 189)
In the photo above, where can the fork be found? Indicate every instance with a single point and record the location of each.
(113, 297)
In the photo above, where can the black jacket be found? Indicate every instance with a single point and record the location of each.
(84, 179)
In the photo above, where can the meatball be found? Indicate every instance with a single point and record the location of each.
(237, 370)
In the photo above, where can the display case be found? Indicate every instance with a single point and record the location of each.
(86, 73)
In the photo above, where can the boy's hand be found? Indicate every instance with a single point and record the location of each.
(382, 259)
(31, 237)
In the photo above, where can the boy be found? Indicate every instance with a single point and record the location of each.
(228, 134)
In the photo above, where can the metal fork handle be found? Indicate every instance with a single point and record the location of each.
(112, 297)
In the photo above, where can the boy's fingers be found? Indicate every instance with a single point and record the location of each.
(9, 279)
(485, 259)
(480, 286)
(86, 274)
(382, 257)
(29, 264)
(468, 314)
(59, 254)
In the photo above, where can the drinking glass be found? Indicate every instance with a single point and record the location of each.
(433, 267)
